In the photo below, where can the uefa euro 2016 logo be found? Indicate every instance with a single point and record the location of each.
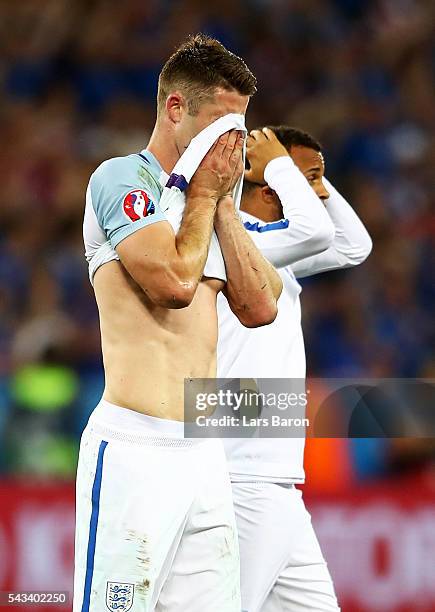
(119, 596)
(138, 205)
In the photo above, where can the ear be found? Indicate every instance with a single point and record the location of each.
(271, 203)
(268, 195)
(174, 105)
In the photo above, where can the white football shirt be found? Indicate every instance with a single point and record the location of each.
(311, 238)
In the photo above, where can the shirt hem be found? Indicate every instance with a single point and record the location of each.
(136, 225)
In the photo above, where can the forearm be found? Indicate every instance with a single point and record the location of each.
(253, 285)
(211, 180)
(351, 237)
(306, 228)
(351, 245)
(192, 240)
(168, 266)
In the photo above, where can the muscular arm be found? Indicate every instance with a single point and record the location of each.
(352, 243)
(169, 266)
(253, 286)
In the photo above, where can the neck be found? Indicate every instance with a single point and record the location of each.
(163, 146)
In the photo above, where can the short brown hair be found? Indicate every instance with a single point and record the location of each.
(198, 67)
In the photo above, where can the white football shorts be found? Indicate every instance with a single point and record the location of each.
(155, 526)
(282, 566)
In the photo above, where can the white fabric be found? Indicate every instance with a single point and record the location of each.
(98, 249)
(320, 236)
(351, 245)
(277, 350)
(123, 419)
(202, 142)
(290, 573)
(310, 228)
(173, 200)
(165, 517)
(106, 223)
(272, 351)
(282, 566)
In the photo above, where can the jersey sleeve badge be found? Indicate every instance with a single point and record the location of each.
(138, 205)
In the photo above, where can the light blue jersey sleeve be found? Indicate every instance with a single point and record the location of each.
(125, 194)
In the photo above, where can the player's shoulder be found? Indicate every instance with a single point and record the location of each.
(115, 167)
(134, 171)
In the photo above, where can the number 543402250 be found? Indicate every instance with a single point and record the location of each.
(16, 598)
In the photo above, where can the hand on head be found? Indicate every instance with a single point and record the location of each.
(262, 146)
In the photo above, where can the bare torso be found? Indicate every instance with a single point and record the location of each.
(148, 351)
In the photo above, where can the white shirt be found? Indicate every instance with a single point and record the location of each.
(311, 238)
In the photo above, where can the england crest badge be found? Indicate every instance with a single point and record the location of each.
(119, 596)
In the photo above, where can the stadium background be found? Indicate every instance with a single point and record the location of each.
(77, 85)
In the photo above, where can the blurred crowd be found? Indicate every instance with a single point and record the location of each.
(78, 85)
